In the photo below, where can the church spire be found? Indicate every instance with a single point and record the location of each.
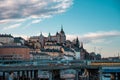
(62, 30)
(77, 43)
(61, 27)
(41, 35)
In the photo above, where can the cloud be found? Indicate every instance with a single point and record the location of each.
(71, 37)
(96, 37)
(36, 21)
(12, 26)
(12, 10)
(21, 35)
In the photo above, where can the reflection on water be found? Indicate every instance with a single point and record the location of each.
(106, 77)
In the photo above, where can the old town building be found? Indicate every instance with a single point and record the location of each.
(14, 52)
(6, 38)
(59, 37)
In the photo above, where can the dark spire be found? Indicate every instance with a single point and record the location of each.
(62, 29)
(77, 42)
(57, 33)
(41, 35)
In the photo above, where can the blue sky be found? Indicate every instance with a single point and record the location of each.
(95, 22)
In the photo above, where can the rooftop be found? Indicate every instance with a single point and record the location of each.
(13, 46)
(6, 35)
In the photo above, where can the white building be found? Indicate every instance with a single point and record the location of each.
(6, 39)
(41, 56)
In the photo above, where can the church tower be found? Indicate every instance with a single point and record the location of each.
(49, 37)
(62, 35)
(77, 43)
(57, 37)
(41, 40)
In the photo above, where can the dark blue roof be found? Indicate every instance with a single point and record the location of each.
(13, 47)
(6, 35)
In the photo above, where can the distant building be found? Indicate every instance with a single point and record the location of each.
(19, 41)
(52, 48)
(92, 56)
(34, 39)
(40, 56)
(14, 52)
(84, 55)
(98, 57)
(59, 38)
(6, 38)
(68, 57)
(69, 51)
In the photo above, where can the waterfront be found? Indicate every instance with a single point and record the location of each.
(46, 77)
(54, 70)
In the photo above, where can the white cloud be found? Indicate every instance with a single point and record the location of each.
(22, 9)
(36, 21)
(71, 36)
(12, 26)
(95, 37)
(21, 35)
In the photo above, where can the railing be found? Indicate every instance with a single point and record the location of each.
(58, 63)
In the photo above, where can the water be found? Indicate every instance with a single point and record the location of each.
(105, 78)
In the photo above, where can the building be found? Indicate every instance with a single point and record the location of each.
(6, 38)
(40, 56)
(84, 55)
(59, 37)
(19, 41)
(34, 38)
(14, 52)
(69, 51)
(52, 48)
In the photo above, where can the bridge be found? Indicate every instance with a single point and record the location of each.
(31, 67)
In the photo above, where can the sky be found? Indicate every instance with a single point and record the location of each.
(95, 22)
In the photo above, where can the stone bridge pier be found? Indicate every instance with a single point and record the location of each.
(19, 75)
(115, 76)
(54, 74)
(91, 74)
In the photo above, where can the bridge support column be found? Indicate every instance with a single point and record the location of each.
(18, 75)
(50, 75)
(23, 75)
(56, 75)
(93, 74)
(118, 76)
(77, 75)
(35, 74)
(113, 76)
(3, 75)
(31, 74)
(27, 74)
(100, 74)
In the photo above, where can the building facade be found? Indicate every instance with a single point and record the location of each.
(14, 52)
(6, 38)
(59, 37)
